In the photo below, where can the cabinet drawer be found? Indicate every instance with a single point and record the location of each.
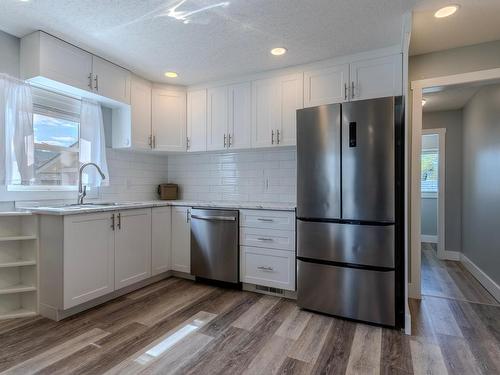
(268, 238)
(283, 220)
(268, 267)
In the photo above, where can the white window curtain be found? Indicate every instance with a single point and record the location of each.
(92, 144)
(16, 132)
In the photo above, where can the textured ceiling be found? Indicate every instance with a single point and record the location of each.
(476, 21)
(217, 43)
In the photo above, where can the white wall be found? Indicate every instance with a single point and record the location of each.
(9, 54)
(255, 175)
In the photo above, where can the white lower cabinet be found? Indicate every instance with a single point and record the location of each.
(161, 239)
(88, 258)
(267, 248)
(181, 239)
(103, 252)
(132, 246)
(267, 267)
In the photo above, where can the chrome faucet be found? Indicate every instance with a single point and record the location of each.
(82, 190)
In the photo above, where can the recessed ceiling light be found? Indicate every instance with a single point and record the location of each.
(278, 51)
(446, 11)
(171, 75)
(423, 102)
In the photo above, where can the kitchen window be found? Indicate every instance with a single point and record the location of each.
(430, 172)
(56, 127)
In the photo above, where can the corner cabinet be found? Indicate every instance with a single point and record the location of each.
(168, 119)
(161, 240)
(181, 239)
(274, 105)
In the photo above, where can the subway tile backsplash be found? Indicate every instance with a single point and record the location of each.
(253, 175)
(134, 176)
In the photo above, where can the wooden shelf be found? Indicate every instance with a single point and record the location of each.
(19, 313)
(20, 288)
(18, 263)
(18, 238)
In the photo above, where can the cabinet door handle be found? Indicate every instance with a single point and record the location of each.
(352, 89)
(150, 141)
(119, 221)
(96, 80)
(272, 137)
(154, 141)
(230, 142)
(266, 220)
(188, 218)
(224, 140)
(90, 81)
(187, 143)
(113, 221)
(277, 137)
(265, 239)
(264, 268)
(345, 91)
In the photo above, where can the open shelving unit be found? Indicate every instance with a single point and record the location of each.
(18, 265)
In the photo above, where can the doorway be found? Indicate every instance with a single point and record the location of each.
(450, 258)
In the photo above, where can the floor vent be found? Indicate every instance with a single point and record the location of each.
(270, 290)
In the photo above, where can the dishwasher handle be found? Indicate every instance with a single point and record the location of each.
(214, 218)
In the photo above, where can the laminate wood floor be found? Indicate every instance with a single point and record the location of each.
(450, 279)
(177, 326)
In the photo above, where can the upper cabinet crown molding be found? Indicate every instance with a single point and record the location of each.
(54, 63)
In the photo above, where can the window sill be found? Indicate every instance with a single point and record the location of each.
(428, 194)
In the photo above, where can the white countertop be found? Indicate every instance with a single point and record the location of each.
(68, 210)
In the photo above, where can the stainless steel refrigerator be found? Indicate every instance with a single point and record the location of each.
(349, 210)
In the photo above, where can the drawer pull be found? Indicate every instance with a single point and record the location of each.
(264, 268)
(266, 220)
(265, 239)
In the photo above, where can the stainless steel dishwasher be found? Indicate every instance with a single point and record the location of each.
(214, 244)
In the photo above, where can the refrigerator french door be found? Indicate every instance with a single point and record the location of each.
(349, 177)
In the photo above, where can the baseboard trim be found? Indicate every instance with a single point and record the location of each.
(452, 255)
(408, 324)
(490, 285)
(428, 238)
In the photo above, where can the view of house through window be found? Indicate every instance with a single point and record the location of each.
(430, 169)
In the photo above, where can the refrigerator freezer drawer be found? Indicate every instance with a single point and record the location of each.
(347, 292)
(367, 245)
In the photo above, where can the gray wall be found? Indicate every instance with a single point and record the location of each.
(481, 181)
(9, 54)
(452, 122)
(429, 216)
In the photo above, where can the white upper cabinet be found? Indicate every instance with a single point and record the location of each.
(197, 120)
(168, 119)
(275, 102)
(110, 80)
(140, 101)
(240, 116)
(326, 86)
(292, 98)
(218, 118)
(265, 111)
(42, 55)
(54, 63)
(376, 78)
